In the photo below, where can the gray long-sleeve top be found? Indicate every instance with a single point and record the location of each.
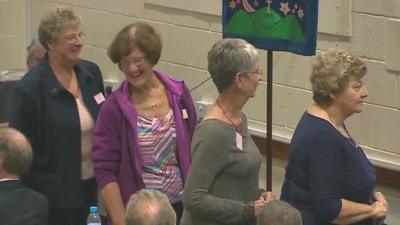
(223, 180)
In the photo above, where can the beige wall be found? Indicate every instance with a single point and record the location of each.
(12, 34)
(368, 28)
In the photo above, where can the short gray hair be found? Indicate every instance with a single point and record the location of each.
(149, 207)
(279, 213)
(35, 43)
(15, 152)
(229, 56)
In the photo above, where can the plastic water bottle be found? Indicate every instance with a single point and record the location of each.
(94, 217)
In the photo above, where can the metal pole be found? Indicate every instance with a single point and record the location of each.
(269, 120)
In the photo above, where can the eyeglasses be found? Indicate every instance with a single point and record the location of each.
(125, 64)
(73, 38)
(258, 72)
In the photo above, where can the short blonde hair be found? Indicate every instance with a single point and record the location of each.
(332, 70)
(54, 22)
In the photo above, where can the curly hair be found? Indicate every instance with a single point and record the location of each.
(332, 71)
(54, 22)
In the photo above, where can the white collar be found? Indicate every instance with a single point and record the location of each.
(8, 179)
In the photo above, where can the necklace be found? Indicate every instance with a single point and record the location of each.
(147, 101)
(349, 138)
(226, 117)
(353, 142)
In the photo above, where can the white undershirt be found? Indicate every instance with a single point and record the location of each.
(87, 127)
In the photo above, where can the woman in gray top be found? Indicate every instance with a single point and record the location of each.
(222, 185)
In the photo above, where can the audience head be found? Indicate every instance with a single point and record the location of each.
(137, 35)
(332, 71)
(227, 58)
(149, 207)
(279, 213)
(15, 153)
(36, 53)
(61, 27)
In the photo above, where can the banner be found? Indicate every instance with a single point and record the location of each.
(278, 25)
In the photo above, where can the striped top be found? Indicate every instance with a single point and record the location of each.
(157, 142)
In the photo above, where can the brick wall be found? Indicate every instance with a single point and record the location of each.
(370, 29)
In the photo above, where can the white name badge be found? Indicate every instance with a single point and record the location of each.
(99, 98)
(184, 114)
(239, 141)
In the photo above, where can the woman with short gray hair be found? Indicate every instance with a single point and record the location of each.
(222, 185)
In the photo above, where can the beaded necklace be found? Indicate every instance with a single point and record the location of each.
(226, 117)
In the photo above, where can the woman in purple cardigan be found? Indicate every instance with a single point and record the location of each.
(144, 129)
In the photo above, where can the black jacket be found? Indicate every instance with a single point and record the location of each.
(20, 205)
(48, 115)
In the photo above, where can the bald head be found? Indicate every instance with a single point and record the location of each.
(148, 207)
(149, 210)
(279, 213)
(15, 152)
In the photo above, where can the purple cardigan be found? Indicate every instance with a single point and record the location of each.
(116, 153)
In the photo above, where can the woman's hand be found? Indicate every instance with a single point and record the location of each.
(269, 197)
(258, 205)
(380, 197)
(381, 207)
(264, 198)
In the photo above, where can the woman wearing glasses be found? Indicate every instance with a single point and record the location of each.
(328, 176)
(57, 103)
(143, 133)
(222, 185)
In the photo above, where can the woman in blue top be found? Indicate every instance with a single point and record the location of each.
(328, 176)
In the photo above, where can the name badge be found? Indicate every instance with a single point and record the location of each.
(99, 98)
(184, 114)
(239, 141)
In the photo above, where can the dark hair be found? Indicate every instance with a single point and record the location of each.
(15, 152)
(140, 35)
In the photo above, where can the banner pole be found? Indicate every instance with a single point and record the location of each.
(269, 120)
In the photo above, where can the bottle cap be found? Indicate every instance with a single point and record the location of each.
(93, 209)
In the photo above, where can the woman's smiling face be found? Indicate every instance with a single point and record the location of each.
(136, 68)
